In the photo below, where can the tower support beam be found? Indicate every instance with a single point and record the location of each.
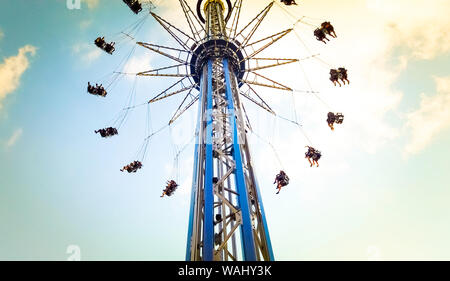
(227, 220)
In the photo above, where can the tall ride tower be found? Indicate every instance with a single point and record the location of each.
(227, 219)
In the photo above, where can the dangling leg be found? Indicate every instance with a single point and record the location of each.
(337, 81)
(317, 162)
(279, 188)
(309, 159)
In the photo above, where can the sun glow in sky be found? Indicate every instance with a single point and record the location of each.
(382, 188)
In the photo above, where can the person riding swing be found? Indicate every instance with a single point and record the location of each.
(281, 180)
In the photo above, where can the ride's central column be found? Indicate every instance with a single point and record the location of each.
(227, 207)
(227, 221)
(215, 23)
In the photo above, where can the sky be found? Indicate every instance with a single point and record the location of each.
(381, 191)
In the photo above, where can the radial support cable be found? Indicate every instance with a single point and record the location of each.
(166, 93)
(254, 24)
(278, 62)
(273, 38)
(236, 14)
(157, 49)
(176, 33)
(273, 84)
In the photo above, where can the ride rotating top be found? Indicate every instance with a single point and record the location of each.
(227, 220)
(216, 42)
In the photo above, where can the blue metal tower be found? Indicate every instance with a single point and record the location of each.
(227, 219)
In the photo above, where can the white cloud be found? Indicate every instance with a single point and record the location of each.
(87, 52)
(431, 118)
(85, 24)
(138, 63)
(422, 30)
(427, 41)
(375, 44)
(14, 138)
(11, 71)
